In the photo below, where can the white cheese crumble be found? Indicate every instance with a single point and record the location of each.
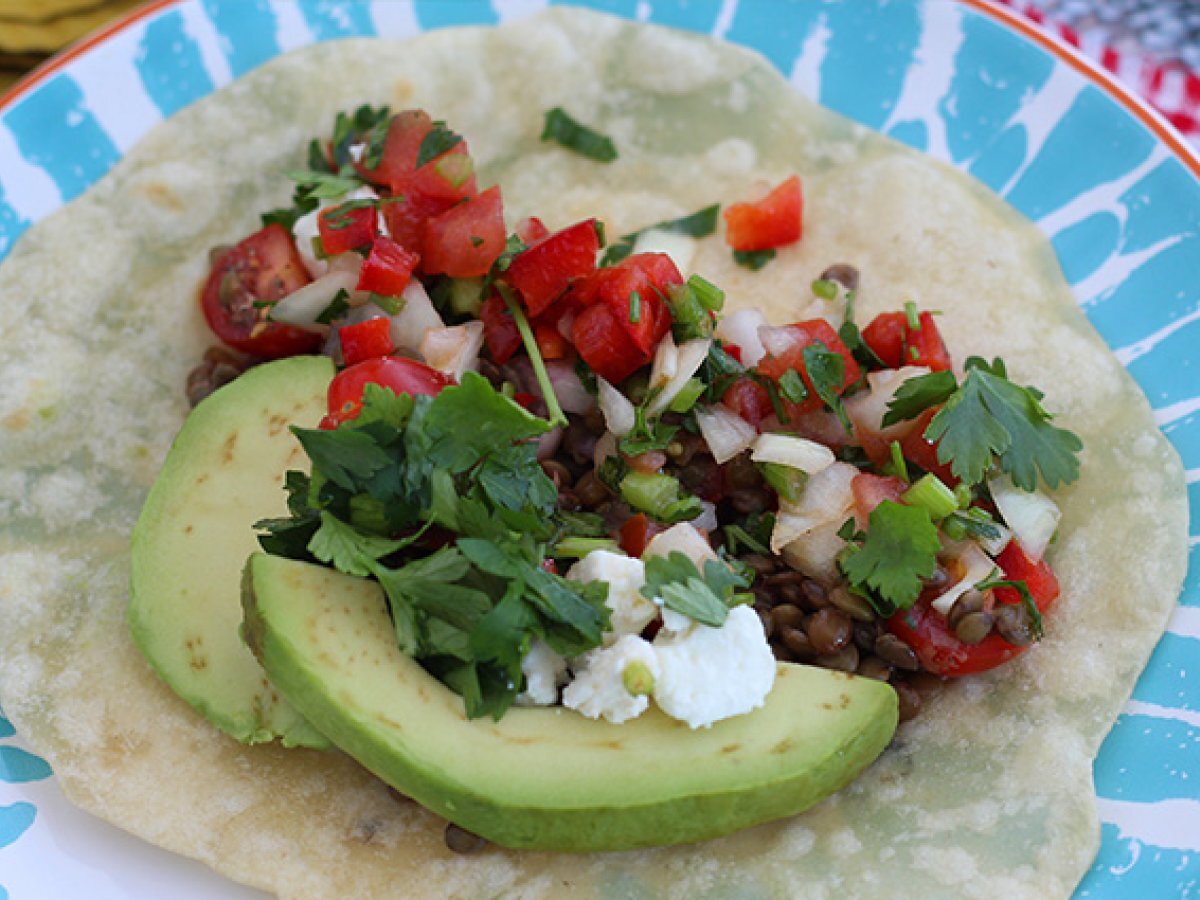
(599, 690)
(544, 671)
(708, 674)
(631, 612)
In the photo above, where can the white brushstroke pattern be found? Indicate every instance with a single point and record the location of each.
(1153, 710)
(1039, 114)
(1110, 274)
(1185, 622)
(929, 78)
(724, 18)
(806, 71)
(1169, 824)
(28, 188)
(1176, 411)
(200, 28)
(511, 10)
(113, 90)
(1147, 344)
(292, 31)
(1104, 197)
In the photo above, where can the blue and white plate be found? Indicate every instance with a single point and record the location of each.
(1114, 188)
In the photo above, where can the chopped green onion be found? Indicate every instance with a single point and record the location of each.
(1035, 614)
(691, 391)
(962, 493)
(914, 353)
(466, 296)
(954, 529)
(638, 679)
(635, 308)
(791, 385)
(825, 289)
(899, 464)
(557, 417)
(753, 259)
(689, 314)
(914, 318)
(390, 305)
(659, 496)
(736, 534)
(787, 482)
(579, 547)
(931, 495)
(508, 389)
(710, 296)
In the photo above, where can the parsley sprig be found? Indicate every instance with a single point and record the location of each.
(441, 499)
(704, 597)
(887, 563)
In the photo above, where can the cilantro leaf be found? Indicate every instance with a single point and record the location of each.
(827, 372)
(900, 549)
(324, 185)
(753, 259)
(437, 141)
(676, 581)
(560, 128)
(345, 548)
(699, 224)
(917, 394)
(468, 420)
(989, 415)
(345, 456)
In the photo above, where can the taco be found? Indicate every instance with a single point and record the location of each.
(988, 792)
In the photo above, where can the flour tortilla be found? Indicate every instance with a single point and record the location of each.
(988, 794)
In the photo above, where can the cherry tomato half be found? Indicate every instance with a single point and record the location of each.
(263, 268)
(404, 376)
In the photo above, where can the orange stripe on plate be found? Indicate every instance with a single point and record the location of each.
(1148, 115)
(61, 59)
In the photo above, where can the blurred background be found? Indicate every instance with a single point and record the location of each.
(1153, 45)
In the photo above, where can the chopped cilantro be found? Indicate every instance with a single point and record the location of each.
(1035, 615)
(791, 385)
(323, 185)
(704, 598)
(827, 371)
(560, 128)
(437, 141)
(917, 394)
(336, 308)
(699, 224)
(635, 308)
(753, 259)
(900, 548)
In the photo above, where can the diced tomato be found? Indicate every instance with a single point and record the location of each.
(894, 342)
(466, 239)
(541, 273)
(774, 221)
(525, 400)
(649, 275)
(942, 653)
(748, 399)
(871, 490)
(636, 533)
(388, 268)
(531, 229)
(448, 177)
(406, 217)
(803, 334)
(404, 376)
(366, 340)
(499, 330)
(346, 230)
(924, 452)
(604, 344)
(263, 268)
(550, 342)
(733, 350)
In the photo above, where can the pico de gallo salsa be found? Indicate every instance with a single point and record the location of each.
(878, 507)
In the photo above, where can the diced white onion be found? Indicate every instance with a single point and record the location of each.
(741, 329)
(796, 452)
(679, 247)
(605, 447)
(707, 520)
(453, 349)
(1033, 517)
(302, 306)
(866, 409)
(776, 339)
(975, 565)
(815, 553)
(415, 318)
(827, 499)
(726, 433)
(573, 397)
(619, 412)
(832, 311)
(682, 537)
(684, 362)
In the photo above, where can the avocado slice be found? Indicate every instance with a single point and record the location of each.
(224, 472)
(548, 778)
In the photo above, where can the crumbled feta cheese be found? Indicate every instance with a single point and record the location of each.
(684, 538)
(599, 688)
(631, 612)
(708, 674)
(305, 229)
(544, 671)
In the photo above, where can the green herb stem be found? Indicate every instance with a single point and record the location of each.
(557, 416)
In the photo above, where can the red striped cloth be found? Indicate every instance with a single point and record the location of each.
(1170, 86)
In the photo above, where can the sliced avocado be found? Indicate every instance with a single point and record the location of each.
(548, 778)
(224, 472)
